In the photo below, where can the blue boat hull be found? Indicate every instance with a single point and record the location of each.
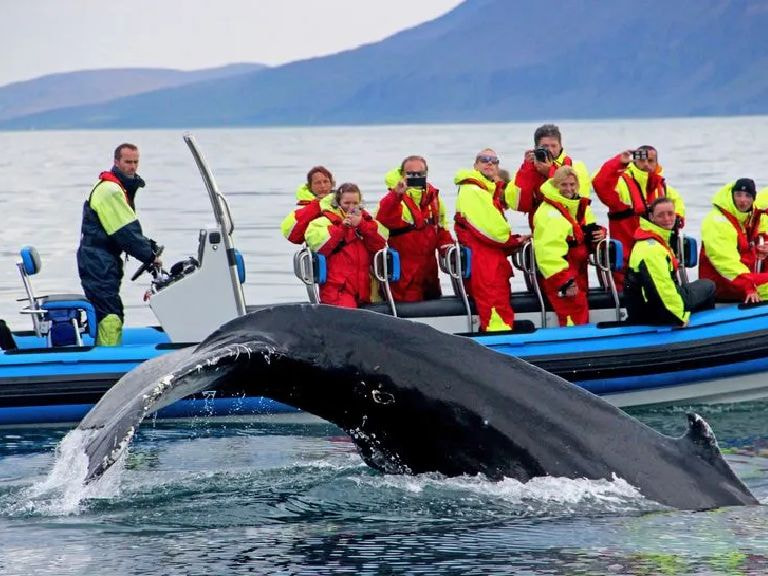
(627, 365)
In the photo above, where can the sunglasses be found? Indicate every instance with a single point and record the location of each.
(415, 174)
(487, 159)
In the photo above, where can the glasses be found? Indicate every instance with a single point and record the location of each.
(415, 174)
(487, 159)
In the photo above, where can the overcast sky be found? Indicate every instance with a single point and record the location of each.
(46, 36)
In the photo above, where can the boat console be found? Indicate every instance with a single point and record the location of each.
(200, 294)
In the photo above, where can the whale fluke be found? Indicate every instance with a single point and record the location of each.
(417, 400)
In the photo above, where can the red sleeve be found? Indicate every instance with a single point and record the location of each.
(303, 216)
(529, 181)
(443, 237)
(390, 212)
(337, 233)
(369, 231)
(605, 182)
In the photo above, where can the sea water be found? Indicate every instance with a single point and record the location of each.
(289, 495)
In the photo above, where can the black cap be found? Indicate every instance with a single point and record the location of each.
(745, 185)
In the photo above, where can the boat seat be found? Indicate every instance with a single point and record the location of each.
(312, 269)
(687, 252)
(60, 318)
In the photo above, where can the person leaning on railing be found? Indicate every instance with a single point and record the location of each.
(729, 247)
(652, 293)
(348, 237)
(481, 225)
(414, 214)
(564, 232)
(318, 185)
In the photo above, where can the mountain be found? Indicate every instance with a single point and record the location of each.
(488, 61)
(94, 86)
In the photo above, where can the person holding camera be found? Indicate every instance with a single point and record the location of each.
(627, 184)
(564, 233)
(414, 214)
(318, 185)
(481, 225)
(348, 237)
(539, 165)
(109, 228)
(730, 246)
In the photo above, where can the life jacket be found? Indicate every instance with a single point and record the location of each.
(643, 234)
(639, 206)
(92, 233)
(425, 214)
(744, 238)
(577, 237)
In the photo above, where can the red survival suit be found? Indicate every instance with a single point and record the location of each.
(416, 223)
(349, 253)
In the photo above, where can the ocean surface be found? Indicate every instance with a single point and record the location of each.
(290, 495)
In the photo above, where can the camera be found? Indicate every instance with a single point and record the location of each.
(541, 154)
(415, 180)
(640, 155)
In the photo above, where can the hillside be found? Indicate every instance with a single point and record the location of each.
(95, 86)
(488, 61)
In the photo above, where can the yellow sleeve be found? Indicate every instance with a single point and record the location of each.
(720, 241)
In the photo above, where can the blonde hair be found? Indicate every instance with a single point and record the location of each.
(562, 173)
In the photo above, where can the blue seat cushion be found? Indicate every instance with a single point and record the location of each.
(71, 302)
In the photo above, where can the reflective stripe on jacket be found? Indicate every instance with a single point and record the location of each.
(651, 278)
(727, 249)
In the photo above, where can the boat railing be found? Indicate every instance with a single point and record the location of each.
(386, 269)
(456, 262)
(525, 260)
(607, 258)
(304, 269)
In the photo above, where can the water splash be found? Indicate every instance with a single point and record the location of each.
(63, 491)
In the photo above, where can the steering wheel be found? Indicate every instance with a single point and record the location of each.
(146, 266)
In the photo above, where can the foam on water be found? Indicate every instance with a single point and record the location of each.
(538, 496)
(63, 490)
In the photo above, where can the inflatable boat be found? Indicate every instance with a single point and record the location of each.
(56, 374)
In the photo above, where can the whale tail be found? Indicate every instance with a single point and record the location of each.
(417, 400)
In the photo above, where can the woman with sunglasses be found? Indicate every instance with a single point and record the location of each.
(415, 217)
(348, 237)
(481, 224)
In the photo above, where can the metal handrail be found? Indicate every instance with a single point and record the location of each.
(381, 271)
(450, 263)
(681, 270)
(528, 267)
(602, 262)
(304, 271)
